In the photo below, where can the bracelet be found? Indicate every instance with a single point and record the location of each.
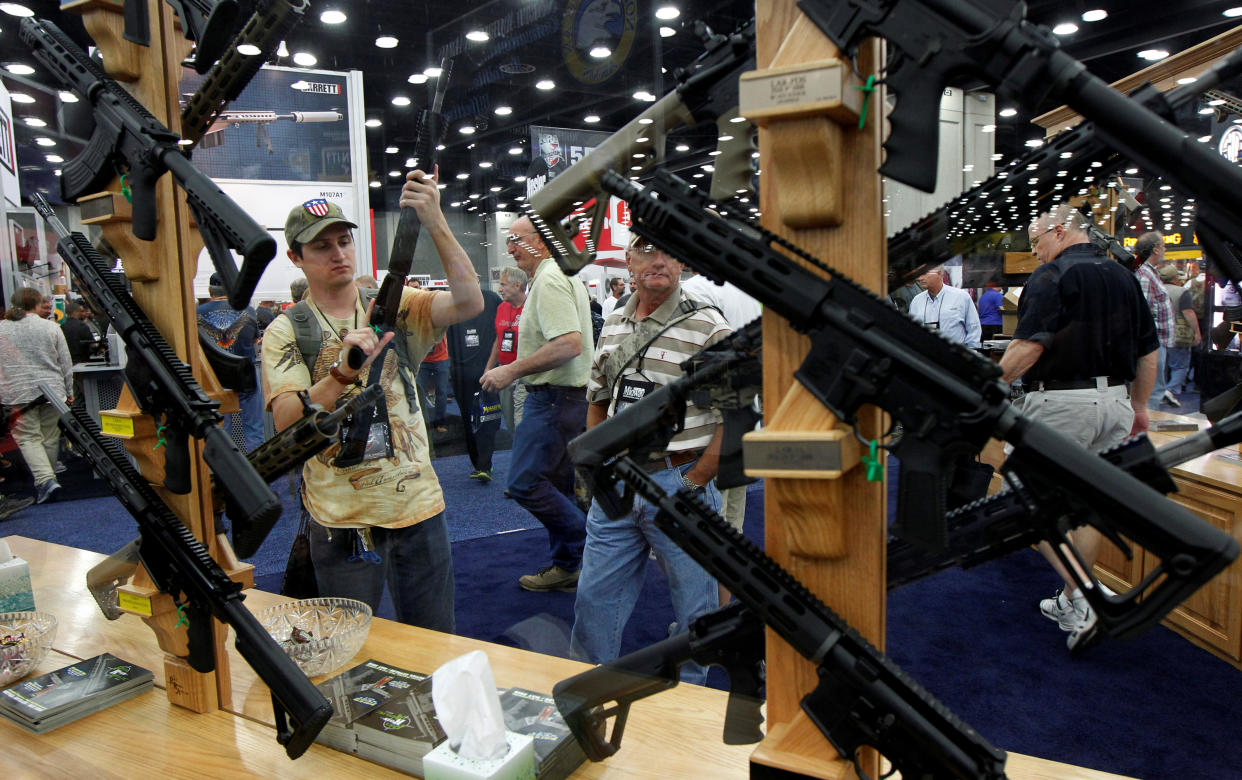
(688, 484)
(335, 371)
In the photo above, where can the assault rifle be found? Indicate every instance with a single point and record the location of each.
(949, 400)
(127, 138)
(180, 566)
(164, 386)
(209, 23)
(731, 637)
(310, 435)
(863, 698)
(268, 25)
(260, 120)
(1018, 517)
(932, 42)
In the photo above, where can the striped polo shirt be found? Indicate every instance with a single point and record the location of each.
(660, 363)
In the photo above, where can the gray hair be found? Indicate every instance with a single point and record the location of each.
(514, 275)
(1146, 244)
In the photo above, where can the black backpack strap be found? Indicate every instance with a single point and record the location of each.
(307, 332)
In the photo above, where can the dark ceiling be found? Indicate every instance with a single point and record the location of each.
(533, 40)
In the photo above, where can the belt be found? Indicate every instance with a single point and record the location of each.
(671, 461)
(1098, 382)
(551, 388)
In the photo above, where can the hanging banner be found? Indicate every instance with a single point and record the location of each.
(554, 150)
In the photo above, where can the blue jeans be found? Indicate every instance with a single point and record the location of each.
(434, 377)
(614, 567)
(252, 418)
(541, 478)
(1157, 390)
(1179, 367)
(416, 562)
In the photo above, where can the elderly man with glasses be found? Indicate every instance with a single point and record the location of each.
(554, 365)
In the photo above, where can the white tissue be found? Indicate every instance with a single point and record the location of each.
(468, 707)
(6, 554)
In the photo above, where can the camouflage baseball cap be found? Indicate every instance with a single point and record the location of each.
(307, 220)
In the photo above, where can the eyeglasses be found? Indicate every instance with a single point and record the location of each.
(512, 239)
(1035, 240)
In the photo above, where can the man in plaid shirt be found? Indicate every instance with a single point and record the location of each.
(1150, 252)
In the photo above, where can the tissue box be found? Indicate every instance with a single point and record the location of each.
(518, 764)
(16, 594)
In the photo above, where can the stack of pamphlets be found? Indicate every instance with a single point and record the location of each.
(357, 692)
(557, 753)
(42, 703)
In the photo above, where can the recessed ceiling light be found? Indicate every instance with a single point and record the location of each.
(667, 12)
(590, 119)
(394, 174)
(21, 97)
(502, 110)
(375, 184)
(21, 11)
(988, 129)
(333, 16)
(1007, 112)
(1152, 55)
(19, 69)
(645, 96)
(599, 51)
(545, 84)
(475, 196)
(519, 180)
(515, 150)
(682, 148)
(667, 32)
(463, 176)
(400, 100)
(410, 162)
(305, 59)
(478, 36)
(485, 164)
(433, 72)
(493, 189)
(466, 129)
(1065, 28)
(418, 78)
(1207, 111)
(373, 123)
(1187, 80)
(34, 121)
(1230, 12)
(45, 141)
(390, 150)
(248, 50)
(54, 158)
(1095, 15)
(387, 42)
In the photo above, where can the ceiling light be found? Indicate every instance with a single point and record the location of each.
(1204, 139)
(21, 97)
(1065, 28)
(502, 110)
(15, 9)
(545, 84)
(54, 158)
(440, 147)
(387, 42)
(1187, 80)
(463, 176)
(988, 129)
(410, 162)
(1095, 15)
(34, 121)
(45, 141)
(1151, 55)
(18, 69)
(375, 185)
(474, 196)
(1230, 12)
(433, 72)
(1007, 112)
(401, 100)
(682, 148)
(485, 164)
(590, 119)
(515, 150)
(667, 12)
(455, 203)
(667, 32)
(394, 174)
(519, 180)
(1131, 172)
(333, 16)
(645, 96)
(248, 50)
(493, 189)
(1034, 143)
(645, 120)
(599, 51)
(390, 150)
(466, 129)
(373, 123)
(418, 78)
(478, 36)
(305, 59)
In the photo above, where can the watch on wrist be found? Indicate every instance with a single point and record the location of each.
(335, 371)
(687, 483)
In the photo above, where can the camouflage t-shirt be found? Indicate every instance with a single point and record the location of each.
(390, 492)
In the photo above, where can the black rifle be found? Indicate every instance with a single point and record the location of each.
(933, 42)
(706, 90)
(180, 566)
(164, 386)
(731, 637)
(949, 400)
(210, 24)
(409, 224)
(1017, 518)
(268, 25)
(863, 698)
(311, 434)
(128, 138)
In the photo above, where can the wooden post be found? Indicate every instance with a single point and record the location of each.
(162, 274)
(830, 533)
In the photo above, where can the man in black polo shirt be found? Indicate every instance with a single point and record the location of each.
(1084, 331)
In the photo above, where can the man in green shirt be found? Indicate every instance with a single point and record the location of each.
(554, 366)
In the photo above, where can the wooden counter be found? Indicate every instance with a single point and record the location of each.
(146, 736)
(1211, 487)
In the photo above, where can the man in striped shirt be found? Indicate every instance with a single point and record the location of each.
(640, 349)
(1149, 250)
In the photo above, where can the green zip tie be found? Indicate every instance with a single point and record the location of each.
(182, 620)
(875, 471)
(866, 89)
(125, 188)
(160, 433)
(379, 331)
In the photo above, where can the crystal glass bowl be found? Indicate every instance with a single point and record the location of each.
(25, 638)
(320, 635)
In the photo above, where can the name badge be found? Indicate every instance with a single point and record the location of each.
(506, 341)
(631, 391)
(378, 443)
(472, 337)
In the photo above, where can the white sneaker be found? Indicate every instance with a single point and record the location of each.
(1060, 609)
(1082, 633)
(1171, 399)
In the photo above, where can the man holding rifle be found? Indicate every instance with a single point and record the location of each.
(1084, 331)
(378, 520)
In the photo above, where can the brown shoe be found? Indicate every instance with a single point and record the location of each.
(550, 578)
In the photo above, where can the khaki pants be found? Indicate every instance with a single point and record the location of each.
(733, 506)
(38, 437)
(511, 400)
